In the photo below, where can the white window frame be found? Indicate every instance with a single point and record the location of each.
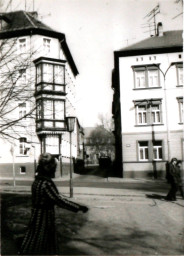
(22, 109)
(141, 112)
(46, 44)
(143, 148)
(21, 172)
(179, 68)
(22, 146)
(156, 113)
(22, 46)
(181, 113)
(150, 74)
(157, 147)
(140, 79)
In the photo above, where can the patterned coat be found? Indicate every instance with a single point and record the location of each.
(40, 238)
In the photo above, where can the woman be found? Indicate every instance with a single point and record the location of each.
(172, 179)
(40, 238)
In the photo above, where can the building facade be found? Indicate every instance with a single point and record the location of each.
(38, 88)
(148, 104)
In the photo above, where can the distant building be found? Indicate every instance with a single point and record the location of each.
(148, 104)
(37, 68)
(98, 142)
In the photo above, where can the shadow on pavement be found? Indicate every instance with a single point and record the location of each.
(15, 216)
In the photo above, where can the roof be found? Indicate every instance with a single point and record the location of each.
(172, 40)
(21, 23)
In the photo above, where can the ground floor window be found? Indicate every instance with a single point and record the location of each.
(22, 170)
(143, 150)
(150, 150)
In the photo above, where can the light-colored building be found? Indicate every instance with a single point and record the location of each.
(38, 90)
(148, 104)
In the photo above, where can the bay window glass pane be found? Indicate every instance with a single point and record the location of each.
(48, 73)
(59, 110)
(140, 79)
(38, 73)
(48, 109)
(59, 88)
(153, 78)
(59, 124)
(59, 74)
(48, 87)
(48, 124)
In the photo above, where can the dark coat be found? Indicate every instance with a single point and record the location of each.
(40, 238)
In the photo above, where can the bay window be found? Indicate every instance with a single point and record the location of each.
(50, 113)
(50, 77)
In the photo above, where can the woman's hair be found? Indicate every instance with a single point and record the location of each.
(46, 165)
(174, 159)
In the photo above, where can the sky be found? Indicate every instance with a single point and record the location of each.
(94, 29)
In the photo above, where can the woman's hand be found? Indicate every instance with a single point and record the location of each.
(84, 209)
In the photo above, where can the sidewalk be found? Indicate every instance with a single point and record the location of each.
(111, 186)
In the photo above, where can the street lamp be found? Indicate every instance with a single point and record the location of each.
(165, 95)
(70, 122)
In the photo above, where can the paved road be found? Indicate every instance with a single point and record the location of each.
(113, 226)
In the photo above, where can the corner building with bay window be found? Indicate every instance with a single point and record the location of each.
(41, 61)
(148, 104)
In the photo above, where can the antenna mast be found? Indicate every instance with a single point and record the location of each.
(151, 20)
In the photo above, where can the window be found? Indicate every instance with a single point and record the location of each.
(157, 150)
(22, 170)
(150, 150)
(48, 73)
(50, 77)
(22, 76)
(140, 79)
(148, 112)
(143, 150)
(142, 115)
(155, 113)
(22, 146)
(53, 113)
(22, 110)
(39, 110)
(180, 103)
(38, 74)
(179, 68)
(22, 45)
(146, 76)
(46, 44)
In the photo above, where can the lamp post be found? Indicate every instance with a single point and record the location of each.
(165, 95)
(70, 121)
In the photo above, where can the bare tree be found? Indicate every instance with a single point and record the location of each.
(16, 88)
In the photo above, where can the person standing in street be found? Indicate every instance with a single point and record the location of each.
(172, 178)
(40, 238)
(180, 178)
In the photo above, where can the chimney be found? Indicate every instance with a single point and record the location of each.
(34, 14)
(160, 29)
